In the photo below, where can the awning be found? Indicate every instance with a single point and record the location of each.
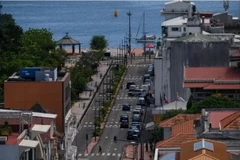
(150, 126)
(41, 128)
(28, 143)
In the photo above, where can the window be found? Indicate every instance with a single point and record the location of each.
(67, 92)
(184, 29)
(175, 29)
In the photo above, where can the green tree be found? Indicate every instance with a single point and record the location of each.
(10, 34)
(98, 43)
(171, 113)
(214, 101)
(157, 133)
(189, 103)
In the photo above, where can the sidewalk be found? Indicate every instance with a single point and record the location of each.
(79, 107)
(130, 153)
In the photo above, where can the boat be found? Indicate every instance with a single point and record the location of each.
(115, 13)
(145, 38)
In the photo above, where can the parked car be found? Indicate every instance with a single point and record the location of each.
(135, 125)
(129, 84)
(136, 92)
(146, 76)
(126, 107)
(141, 101)
(136, 112)
(145, 87)
(139, 108)
(136, 118)
(133, 134)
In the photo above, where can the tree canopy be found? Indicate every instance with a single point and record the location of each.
(98, 43)
(32, 48)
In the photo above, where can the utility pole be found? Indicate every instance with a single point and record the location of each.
(129, 35)
(141, 136)
(144, 35)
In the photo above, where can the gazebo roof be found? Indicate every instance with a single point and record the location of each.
(67, 40)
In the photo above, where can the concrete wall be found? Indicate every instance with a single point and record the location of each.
(173, 34)
(23, 95)
(9, 152)
(194, 54)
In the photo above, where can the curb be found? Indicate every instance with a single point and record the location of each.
(89, 104)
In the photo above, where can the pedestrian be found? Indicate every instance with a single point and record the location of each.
(99, 149)
(146, 145)
(151, 146)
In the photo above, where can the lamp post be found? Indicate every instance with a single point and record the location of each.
(129, 35)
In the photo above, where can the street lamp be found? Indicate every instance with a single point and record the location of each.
(129, 34)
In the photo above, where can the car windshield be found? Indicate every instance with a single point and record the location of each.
(136, 112)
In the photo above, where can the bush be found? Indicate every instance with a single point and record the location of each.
(97, 132)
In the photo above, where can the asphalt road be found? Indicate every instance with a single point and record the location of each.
(87, 125)
(111, 150)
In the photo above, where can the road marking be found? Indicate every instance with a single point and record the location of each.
(103, 154)
(90, 125)
(113, 154)
(119, 154)
(84, 125)
(108, 154)
(80, 154)
(86, 154)
(97, 154)
(106, 137)
(86, 122)
(112, 119)
(115, 149)
(92, 154)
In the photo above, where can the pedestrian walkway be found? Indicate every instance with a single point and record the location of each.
(79, 108)
(131, 152)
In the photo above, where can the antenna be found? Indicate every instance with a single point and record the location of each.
(225, 4)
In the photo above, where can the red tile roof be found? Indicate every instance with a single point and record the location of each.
(216, 116)
(180, 118)
(231, 122)
(175, 141)
(212, 77)
(185, 127)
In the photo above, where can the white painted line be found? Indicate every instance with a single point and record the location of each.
(89, 125)
(103, 154)
(86, 154)
(84, 125)
(119, 154)
(114, 154)
(91, 122)
(97, 154)
(92, 154)
(80, 154)
(116, 122)
(108, 154)
(115, 149)
(86, 122)
(106, 137)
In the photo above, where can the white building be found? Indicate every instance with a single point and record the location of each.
(177, 8)
(70, 133)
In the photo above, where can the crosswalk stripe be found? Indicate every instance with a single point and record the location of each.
(119, 154)
(108, 154)
(92, 154)
(80, 154)
(113, 154)
(103, 154)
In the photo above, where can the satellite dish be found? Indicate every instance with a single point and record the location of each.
(225, 4)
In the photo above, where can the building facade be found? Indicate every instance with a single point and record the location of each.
(46, 86)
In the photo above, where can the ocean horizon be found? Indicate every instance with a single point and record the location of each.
(84, 19)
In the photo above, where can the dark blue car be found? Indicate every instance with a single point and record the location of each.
(126, 107)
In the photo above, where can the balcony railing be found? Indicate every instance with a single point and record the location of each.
(163, 11)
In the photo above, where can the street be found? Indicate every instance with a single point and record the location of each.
(111, 150)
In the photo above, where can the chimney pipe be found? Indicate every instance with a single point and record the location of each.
(190, 11)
